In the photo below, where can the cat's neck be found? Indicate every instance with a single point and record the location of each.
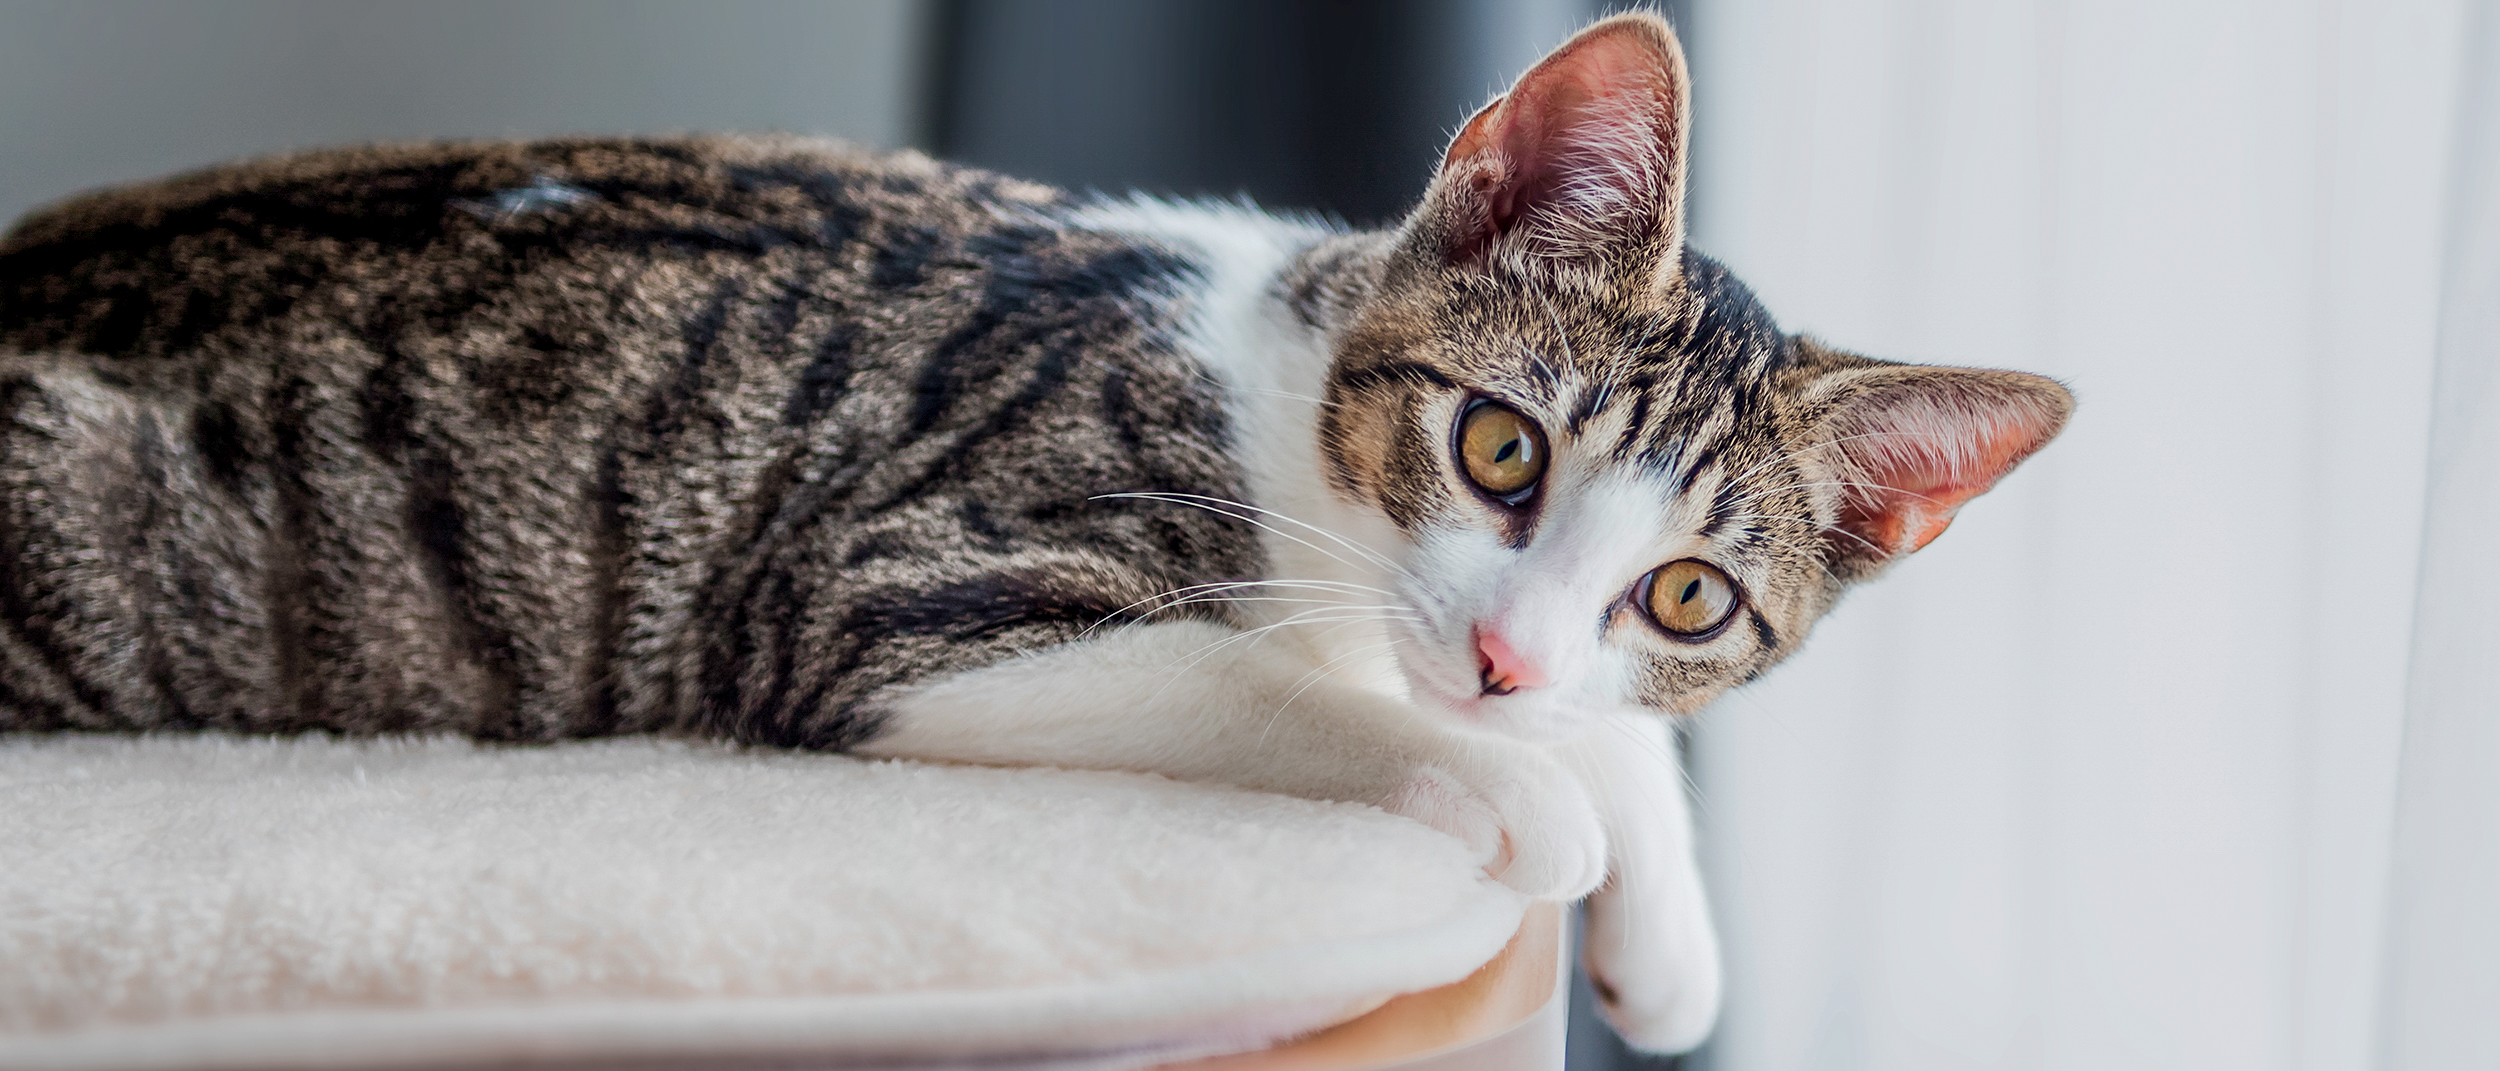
(1262, 320)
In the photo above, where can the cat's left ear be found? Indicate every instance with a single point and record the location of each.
(1580, 166)
(1908, 445)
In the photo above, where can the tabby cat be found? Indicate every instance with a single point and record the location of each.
(775, 441)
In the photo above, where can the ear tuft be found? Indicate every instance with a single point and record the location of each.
(1583, 159)
(1911, 444)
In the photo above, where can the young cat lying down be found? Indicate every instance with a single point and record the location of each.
(776, 441)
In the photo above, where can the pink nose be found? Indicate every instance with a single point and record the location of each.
(1502, 669)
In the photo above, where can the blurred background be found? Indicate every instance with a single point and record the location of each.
(2181, 751)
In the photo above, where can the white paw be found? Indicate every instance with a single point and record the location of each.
(1655, 967)
(1527, 818)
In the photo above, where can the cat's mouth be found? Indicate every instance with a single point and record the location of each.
(1458, 692)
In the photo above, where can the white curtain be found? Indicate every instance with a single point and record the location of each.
(2106, 777)
(2442, 986)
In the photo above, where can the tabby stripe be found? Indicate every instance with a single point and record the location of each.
(1723, 506)
(1049, 375)
(27, 618)
(21, 708)
(1708, 456)
(843, 217)
(27, 622)
(976, 519)
(933, 390)
(902, 260)
(439, 528)
(1592, 400)
(610, 548)
(1632, 429)
(1117, 412)
(782, 316)
(980, 607)
(148, 451)
(825, 378)
(288, 585)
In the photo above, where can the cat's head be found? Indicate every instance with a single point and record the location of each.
(1619, 484)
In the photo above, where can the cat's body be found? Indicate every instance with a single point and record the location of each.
(779, 442)
(727, 441)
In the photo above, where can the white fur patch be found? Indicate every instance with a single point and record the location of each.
(1330, 561)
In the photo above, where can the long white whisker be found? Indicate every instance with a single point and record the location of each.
(1313, 679)
(1211, 504)
(1233, 585)
(1316, 616)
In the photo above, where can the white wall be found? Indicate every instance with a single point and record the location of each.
(2103, 778)
(106, 91)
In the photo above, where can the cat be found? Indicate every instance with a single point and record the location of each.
(786, 443)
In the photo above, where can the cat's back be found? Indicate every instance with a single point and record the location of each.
(169, 268)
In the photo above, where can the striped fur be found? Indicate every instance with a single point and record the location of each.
(729, 437)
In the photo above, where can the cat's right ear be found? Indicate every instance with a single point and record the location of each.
(1578, 170)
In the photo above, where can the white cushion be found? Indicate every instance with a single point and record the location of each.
(196, 901)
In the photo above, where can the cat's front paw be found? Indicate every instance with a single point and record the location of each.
(1526, 817)
(1654, 966)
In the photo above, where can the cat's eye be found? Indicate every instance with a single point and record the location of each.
(1502, 452)
(1690, 599)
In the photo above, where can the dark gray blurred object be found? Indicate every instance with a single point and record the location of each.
(109, 91)
(1340, 106)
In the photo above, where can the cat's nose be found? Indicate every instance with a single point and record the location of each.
(1502, 669)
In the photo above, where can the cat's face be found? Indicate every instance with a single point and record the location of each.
(1617, 482)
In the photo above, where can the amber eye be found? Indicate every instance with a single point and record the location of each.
(1502, 451)
(1689, 598)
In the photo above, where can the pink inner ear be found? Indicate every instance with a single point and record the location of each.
(1916, 461)
(1584, 143)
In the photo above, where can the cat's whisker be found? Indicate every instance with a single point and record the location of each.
(1211, 504)
(1211, 380)
(1367, 553)
(1179, 667)
(1288, 395)
(1780, 456)
(1374, 612)
(1252, 634)
(1849, 484)
(1189, 594)
(1323, 667)
(1179, 499)
(1814, 555)
(1821, 528)
(1313, 679)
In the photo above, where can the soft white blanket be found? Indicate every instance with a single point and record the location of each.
(199, 901)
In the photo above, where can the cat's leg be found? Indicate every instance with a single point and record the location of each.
(1650, 950)
(1178, 699)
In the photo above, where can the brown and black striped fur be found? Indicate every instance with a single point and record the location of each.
(528, 441)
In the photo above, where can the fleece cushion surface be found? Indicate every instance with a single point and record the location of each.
(187, 901)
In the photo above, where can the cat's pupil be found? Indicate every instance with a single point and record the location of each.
(1690, 590)
(1509, 450)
